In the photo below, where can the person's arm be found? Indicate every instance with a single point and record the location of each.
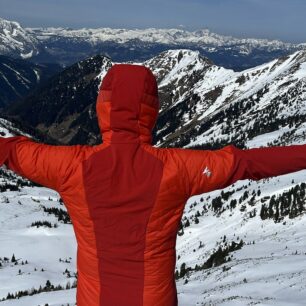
(208, 170)
(47, 165)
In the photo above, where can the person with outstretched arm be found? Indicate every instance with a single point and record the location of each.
(126, 197)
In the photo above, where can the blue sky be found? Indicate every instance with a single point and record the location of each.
(280, 19)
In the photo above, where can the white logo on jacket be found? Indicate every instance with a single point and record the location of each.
(207, 172)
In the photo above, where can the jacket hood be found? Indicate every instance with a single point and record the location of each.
(127, 104)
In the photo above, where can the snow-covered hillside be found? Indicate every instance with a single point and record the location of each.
(8, 129)
(43, 246)
(16, 41)
(227, 106)
(261, 261)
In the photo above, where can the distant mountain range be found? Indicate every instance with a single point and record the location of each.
(66, 46)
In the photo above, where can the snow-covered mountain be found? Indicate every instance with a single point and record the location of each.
(64, 107)
(17, 41)
(74, 92)
(66, 46)
(232, 252)
(9, 129)
(177, 72)
(243, 245)
(238, 106)
(141, 44)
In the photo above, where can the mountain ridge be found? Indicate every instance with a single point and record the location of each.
(197, 98)
(66, 46)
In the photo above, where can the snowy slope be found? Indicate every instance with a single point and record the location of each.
(238, 106)
(16, 41)
(41, 247)
(179, 71)
(270, 267)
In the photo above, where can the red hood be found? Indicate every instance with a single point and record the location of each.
(127, 104)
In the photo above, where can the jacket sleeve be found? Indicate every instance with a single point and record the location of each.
(208, 170)
(44, 164)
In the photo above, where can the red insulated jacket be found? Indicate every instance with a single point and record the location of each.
(126, 197)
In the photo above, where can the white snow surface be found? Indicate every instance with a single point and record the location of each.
(270, 272)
